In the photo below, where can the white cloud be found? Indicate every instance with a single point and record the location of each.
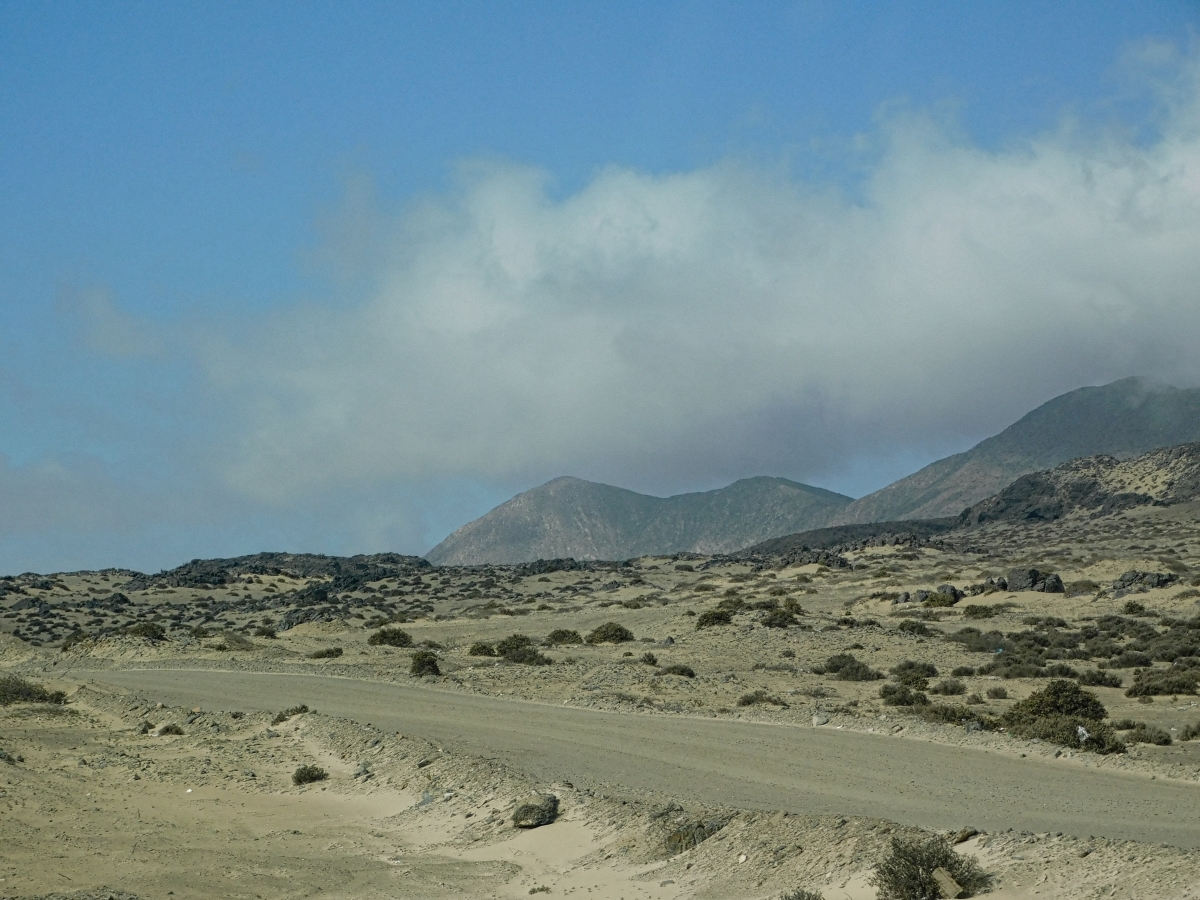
(730, 321)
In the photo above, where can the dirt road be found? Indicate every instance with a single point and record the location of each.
(711, 761)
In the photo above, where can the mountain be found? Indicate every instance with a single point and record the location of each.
(1094, 485)
(1121, 419)
(582, 519)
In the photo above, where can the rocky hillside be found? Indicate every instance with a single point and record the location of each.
(1095, 485)
(1121, 419)
(569, 517)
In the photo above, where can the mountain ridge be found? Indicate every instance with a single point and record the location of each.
(1122, 419)
(571, 517)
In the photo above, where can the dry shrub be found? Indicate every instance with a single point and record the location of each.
(760, 696)
(906, 873)
(327, 653)
(308, 774)
(14, 689)
(282, 717)
(677, 669)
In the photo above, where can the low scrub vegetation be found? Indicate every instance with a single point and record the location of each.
(308, 775)
(711, 617)
(326, 653)
(760, 696)
(901, 695)
(390, 637)
(949, 687)
(845, 667)
(906, 873)
(561, 636)
(1098, 678)
(678, 669)
(286, 714)
(1163, 682)
(610, 633)
(914, 674)
(150, 631)
(424, 662)
(14, 689)
(1063, 713)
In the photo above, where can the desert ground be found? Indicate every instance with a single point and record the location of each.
(699, 755)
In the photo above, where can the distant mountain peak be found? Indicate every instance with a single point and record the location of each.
(583, 519)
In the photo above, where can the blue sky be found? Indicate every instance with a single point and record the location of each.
(340, 277)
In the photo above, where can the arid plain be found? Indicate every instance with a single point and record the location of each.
(716, 750)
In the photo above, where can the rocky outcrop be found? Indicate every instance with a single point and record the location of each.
(1094, 486)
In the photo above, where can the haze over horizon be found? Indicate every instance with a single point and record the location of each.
(341, 281)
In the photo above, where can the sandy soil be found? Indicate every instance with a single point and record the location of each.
(632, 751)
(801, 769)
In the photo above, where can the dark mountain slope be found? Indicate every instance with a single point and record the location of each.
(1121, 419)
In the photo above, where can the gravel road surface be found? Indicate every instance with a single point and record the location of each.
(712, 761)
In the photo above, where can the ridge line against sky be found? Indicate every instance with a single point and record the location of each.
(315, 280)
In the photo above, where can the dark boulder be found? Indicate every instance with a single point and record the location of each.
(543, 811)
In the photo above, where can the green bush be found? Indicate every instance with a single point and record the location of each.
(326, 653)
(610, 633)
(711, 617)
(563, 636)
(527, 656)
(513, 643)
(963, 671)
(949, 687)
(1065, 714)
(266, 631)
(906, 873)
(288, 713)
(760, 696)
(14, 689)
(914, 674)
(390, 637)
(424, 662)
(901, 695)
(1096, 678)
(997, 693)
(1163, 683)
(912, 626)
(1142, 733)
(678, 669)
(1062, 698)
(949, 714)
(481, 649)
(308, 774)
(170, 729)
(151, 631)
(980, 612)
(778, 618)
(1190, 732)
(649, 658)
(845, 667)
(801, 894)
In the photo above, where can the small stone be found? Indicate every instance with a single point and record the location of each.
(820, 719)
